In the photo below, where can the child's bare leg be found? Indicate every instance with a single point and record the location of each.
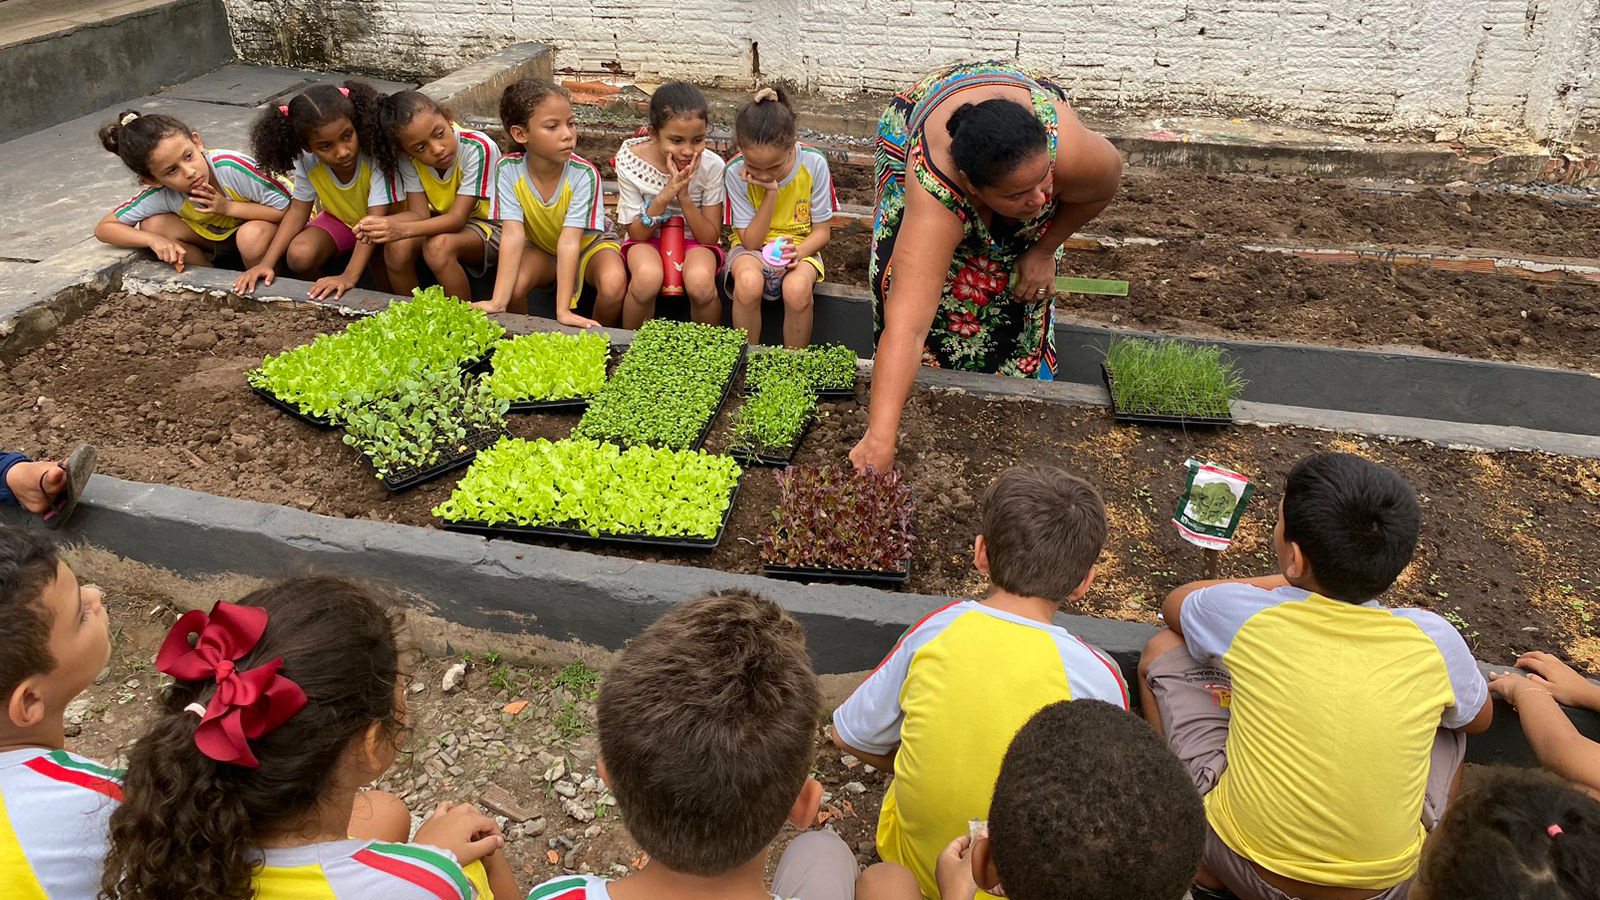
(400, 263)
(1165, 640)
(887, 881)
(610, 280)
(644, 284)
(380, 816)
(797, 302)
(700, 283)
(253, 238)
(169, 226)
(536, 269)
(445, 254)
(309, 251)
(748, 285)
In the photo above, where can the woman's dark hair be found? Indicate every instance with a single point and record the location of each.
(134, 134)
(1515, 833)
(278, 138)
(679, 99)
(766, 121)
(990, 139)
(188, 825)
(519, 100)
(395, 111)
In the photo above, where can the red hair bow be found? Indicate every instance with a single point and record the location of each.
(247, 704)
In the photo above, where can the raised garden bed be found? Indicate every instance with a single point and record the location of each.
(1508, 539)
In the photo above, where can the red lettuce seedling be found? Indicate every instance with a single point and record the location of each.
(830, 517)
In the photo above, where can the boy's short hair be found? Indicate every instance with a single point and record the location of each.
(1496, 840)
(708, 724)
(1090, 803)
(28, 564)
(1356, 523)
(1044, 528)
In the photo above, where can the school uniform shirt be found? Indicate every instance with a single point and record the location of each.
(240, 178)
(347, 201)
(470, 175)
(1334, 711)
(53, 811)
(639, 182)
(805, 196)
(366, 870)
(577, 887)
(952, 694)
(576, 202)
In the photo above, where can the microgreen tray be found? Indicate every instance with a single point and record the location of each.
(748, 457)
(406, 479)
(291, 409)
(1119, 415)
(578, 534)
(727, 389)
(848, 393)
(805, 573)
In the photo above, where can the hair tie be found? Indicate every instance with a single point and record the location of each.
(246, 705)
(345, 91)
(127, 117)
(766, 94)
(284, 110)
(1553, 830)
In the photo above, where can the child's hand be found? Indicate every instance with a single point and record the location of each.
(1559, 679)
(379, 230)
(770, 186)
(489, 306)
(788, 254)
(568, 317)
(331, 287)
(169, 251)
(462, 830)
(678, 180)
(208, 199)
(953, 871)
(246, 282)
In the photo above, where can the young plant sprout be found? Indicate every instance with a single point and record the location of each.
(669, 386)
(1171, 378)
(834, 518)
(829, 368)
(771, 422)
(433, 416)
(550, 366)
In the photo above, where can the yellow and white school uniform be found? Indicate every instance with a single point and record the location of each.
(240, 178)
(366, 870)
(805, 198)
(576, 202)
(471, 175)
(346, 201)
(53, 811)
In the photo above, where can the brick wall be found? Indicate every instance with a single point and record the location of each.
(1380, 63)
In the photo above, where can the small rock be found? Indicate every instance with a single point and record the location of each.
(71, 730)
(534, 828)
(453, 677)
(593, 831)
(566, 789)
(77, 711)
(556, 770)
(418, 687)
(849, 762)
(200, 340)
(855, 787)
(577, 811)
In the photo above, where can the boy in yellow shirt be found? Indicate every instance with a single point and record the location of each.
(941, 709)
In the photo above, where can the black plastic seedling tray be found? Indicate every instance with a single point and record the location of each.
(848, 393)
(806, 573)
(745, 455)
(291, 409)
(410, 478)
(571, 404)
(1118, 415)
(578, 534)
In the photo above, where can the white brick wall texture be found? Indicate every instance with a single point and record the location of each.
(1519, 64)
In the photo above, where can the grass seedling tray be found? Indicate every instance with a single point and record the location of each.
(1138, 418)
(410, 478)
(868, 576)
(314, 421)
(578, 534)
(848, 393)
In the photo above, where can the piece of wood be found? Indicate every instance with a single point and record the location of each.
(1069, 284)
(1213, 564)
(499, 800)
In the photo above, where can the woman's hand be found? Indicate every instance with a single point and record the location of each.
(462, 830)
(872, 454)
(208, 199)
(246, 282)
(1034, 276)
(332, 287)
(1552, 675)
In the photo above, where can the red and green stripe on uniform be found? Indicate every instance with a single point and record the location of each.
(433, 872)
(59, 765)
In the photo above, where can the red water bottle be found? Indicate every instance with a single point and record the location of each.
(672, 257)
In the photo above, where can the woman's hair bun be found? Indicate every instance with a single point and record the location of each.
(960, 115)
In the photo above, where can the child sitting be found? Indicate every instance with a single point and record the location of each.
(707, 734)
(941, 709)
(1538, 697)
(53, 804)
(196, 202)
(1089, 804)
(248, 786)
(1514, 833)
(446, 173)
(777, 188)
(1324, 729)
(671, 172)
(552, 213)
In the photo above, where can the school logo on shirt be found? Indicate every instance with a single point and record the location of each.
(1221, 694)
(802, 212)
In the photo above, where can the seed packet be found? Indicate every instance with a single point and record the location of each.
(1211, 505)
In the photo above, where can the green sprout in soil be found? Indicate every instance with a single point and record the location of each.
(577, 677)
(1172, 378)
(550, 366)
(825, 367)
(434, 415)
(569, 721)
(772, 420)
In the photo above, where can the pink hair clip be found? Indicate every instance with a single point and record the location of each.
(1553, 830)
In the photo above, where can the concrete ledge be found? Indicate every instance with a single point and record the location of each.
(37, 298)
(475, 89)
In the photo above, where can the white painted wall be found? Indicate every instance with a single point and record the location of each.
(1520, 64)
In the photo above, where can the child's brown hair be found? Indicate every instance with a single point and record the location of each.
(766, 121)
(188, 825)
(134, 135)
(519, 100)
(707, 730)
(1043, 528)
(28, 564)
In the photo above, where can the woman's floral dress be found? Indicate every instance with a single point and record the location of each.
(980, 326)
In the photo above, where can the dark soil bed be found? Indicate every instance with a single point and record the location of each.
(1509, 548)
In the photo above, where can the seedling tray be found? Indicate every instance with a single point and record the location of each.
(1119, 415)
(806, 573)
(578, 534)
(571, 404)
(848, 393)
(774, 459)
(406, 479)
(727, 390)
(291, 409)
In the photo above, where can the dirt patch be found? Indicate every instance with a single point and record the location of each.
(461, 742)
(1508, 548)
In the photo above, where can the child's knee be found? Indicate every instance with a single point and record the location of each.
(1163, 642)
(302, 256)
(380, 815)
(611, 281)
(700, 283)
(887, 881)
(748, 286)
(439, 251)
(400, 253)
(796, 294)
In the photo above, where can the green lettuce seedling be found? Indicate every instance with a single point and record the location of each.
(599, 488)
(826, 367)
(432, 416)
(550, 366)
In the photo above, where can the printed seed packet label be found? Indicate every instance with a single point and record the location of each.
(1211, 505)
